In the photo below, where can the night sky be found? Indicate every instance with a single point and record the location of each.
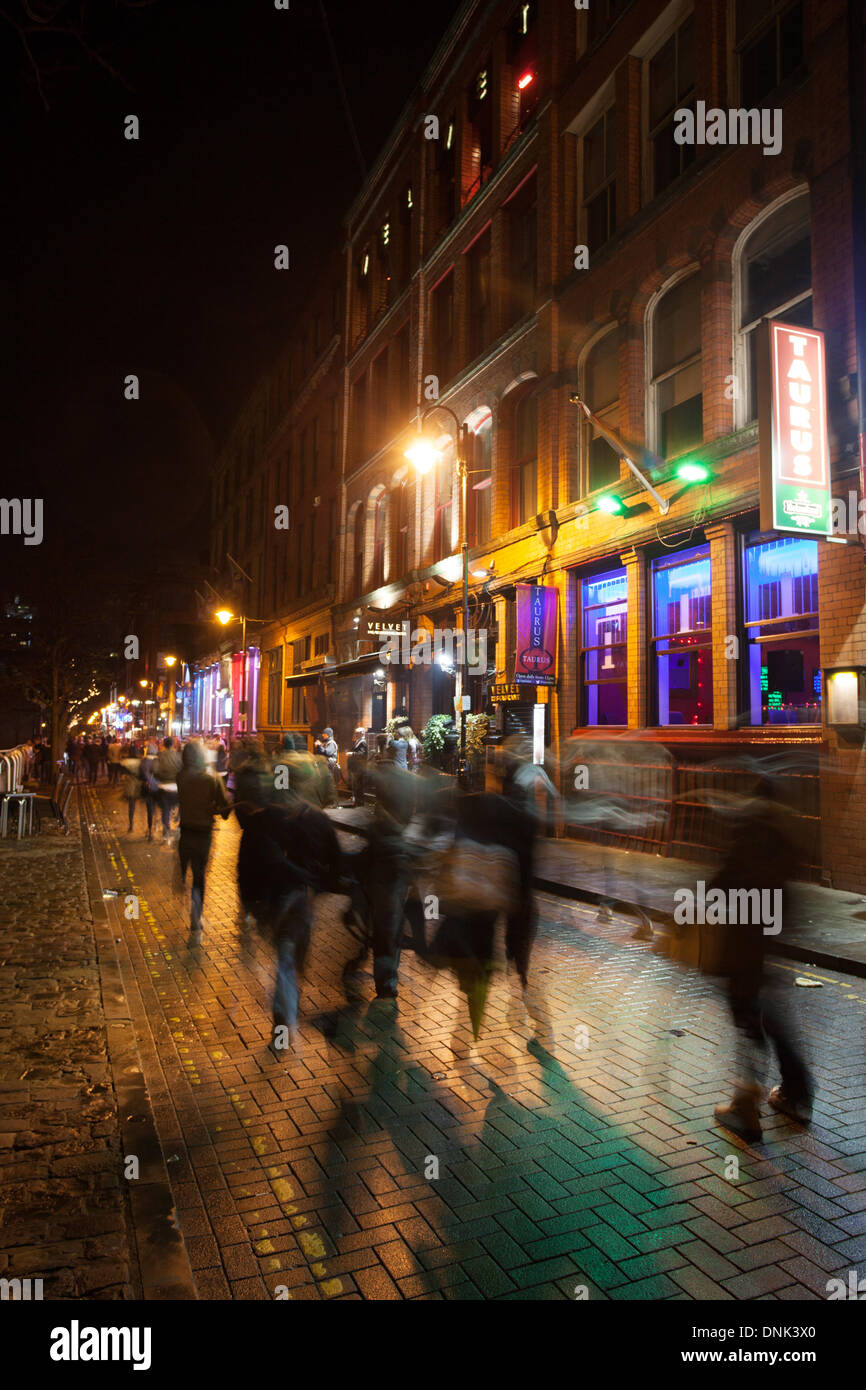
(156, 256)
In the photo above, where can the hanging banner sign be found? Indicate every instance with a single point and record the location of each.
(535, 659)
(792, 430)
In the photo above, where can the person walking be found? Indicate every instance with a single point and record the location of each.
(131, 788)
(115, 753)
(201, 796)
(165, 769)
(149, 784)
(91, 758)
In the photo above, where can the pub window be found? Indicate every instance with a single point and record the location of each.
(682, 637)
(321, 643)
(275, 685)
(599, 181)
(783, 669)
(774, 281)
(677, 399)
(603, 655)
(601, 392)
(769, 43)
(671, 88)
(480, 483)
(524, 472)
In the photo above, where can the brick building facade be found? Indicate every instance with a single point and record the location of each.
(533, 230)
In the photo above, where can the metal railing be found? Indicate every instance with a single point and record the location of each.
(681, 809)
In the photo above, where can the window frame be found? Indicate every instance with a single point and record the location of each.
(742, 414)
(520, 464)
(749, 538)
(681, 557)
(659, 37)
(607, 183)
(585, 427)
(584, 579)
(653, 427)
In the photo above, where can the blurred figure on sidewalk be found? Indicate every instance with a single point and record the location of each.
(200, 797)
(762, 858)
(165, 769)
(149, 784)
(131, 788)
(115, 753)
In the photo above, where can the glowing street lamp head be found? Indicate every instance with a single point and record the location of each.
(224, 615)
(423, 454)
(144, 684)
(611, 504)
(693, 472)
(170, 661)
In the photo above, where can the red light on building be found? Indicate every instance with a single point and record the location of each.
(524, 81)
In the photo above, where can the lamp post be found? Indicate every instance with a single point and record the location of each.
(424, 454)
(145, 685)
(225, 616)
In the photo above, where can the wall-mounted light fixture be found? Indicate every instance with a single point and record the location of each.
(846, 697)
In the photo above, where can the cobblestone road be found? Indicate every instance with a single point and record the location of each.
(559, 1164)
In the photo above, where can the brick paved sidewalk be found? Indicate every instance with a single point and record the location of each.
(62, 1199)
(573, 1149)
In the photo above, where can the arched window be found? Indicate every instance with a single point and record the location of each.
(480, 481)
(675, 356)
(358, 551)
(601, 393)
(524, 469)
(773, 277)
(380, 521)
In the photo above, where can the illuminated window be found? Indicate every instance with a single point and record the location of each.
(386, 233)
(442, 537)
(380, 522)
(682, 637)
(274, 660)
(603, 655)
(783, 669)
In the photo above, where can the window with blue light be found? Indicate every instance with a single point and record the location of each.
(682, 637)
(783, 666)
(603, 656)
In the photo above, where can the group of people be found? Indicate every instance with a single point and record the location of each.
(472, 852)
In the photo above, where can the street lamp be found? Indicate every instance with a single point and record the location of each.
(423, 453)
(225, 616)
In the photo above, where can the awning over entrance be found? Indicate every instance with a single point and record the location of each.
(362, 665)
(304, 678)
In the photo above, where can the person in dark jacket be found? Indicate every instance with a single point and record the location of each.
(287, 850)
(200, 797)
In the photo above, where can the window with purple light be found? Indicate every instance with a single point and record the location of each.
(783, 665)
(682, 637)
(604, 607)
